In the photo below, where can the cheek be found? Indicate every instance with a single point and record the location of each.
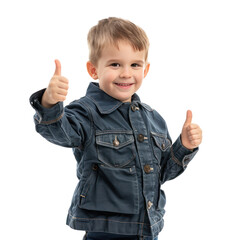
(140, 76)
(106, 79)
(108, 76)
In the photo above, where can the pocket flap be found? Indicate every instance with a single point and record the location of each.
(114, 139)
(115, 148)
(161, 141)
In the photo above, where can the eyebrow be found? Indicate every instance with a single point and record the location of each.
(118, 60)
(139, 61)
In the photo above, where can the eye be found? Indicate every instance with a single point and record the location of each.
(135, 65)
(115, 65)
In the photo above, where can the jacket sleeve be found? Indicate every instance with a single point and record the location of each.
(175, 160)
(67, 127)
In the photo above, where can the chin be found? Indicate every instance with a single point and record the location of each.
(128, 99)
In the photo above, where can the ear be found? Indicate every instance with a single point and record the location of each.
(92, 70)
(146, 70)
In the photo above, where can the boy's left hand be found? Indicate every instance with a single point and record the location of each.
(191, 133)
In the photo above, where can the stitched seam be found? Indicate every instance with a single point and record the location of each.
(88, 183)
(113, 166)
(93, 101)
(104, 132)
(143, 223)
(147, 107)
(156, 223)
(175, 159)
(52, 121)
(102, 111)
(106, 144)
(159, 146)
(100, 219)
(91, 127)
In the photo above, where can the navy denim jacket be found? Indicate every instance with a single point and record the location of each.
(124, 155)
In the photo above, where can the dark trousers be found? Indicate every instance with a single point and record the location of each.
(110, 236)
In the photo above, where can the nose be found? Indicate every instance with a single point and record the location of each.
(126, 72)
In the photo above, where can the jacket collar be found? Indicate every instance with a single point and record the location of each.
(107, 104)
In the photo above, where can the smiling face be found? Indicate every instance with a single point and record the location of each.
(120, 70)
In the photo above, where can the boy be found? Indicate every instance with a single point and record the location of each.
(122, 146)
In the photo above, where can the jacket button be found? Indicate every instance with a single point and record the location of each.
(140, 138)
(95, 167)
(149, 205)
(116, 142)
(163, 146)
(134, 108)
(147, 168)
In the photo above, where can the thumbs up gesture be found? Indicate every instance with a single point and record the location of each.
(57, 89)
(191, 133)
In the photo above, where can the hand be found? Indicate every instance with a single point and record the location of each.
(191, 133)
(57, 89)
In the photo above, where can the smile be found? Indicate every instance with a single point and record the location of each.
(124, 85)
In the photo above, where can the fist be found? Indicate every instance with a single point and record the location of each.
(191, 133)
(57, 89)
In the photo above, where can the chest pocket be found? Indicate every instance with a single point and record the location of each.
(115, 148)
(160, 145)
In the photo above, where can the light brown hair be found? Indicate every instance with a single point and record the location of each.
(111, 31)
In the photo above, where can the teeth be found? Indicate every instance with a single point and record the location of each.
(123, 84)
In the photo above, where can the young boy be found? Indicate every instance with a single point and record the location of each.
(122, 146)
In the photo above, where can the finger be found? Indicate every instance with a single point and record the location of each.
(61, 98)
(194, 137)
(63, 85)
(196, 142)
(62, 92)
(195, 131)
(58, 79)
(188, 120)
(63, 79)
(193, 126)
(58, 68)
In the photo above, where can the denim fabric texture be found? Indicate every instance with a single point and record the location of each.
(124, 154)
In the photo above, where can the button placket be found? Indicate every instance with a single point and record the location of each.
(144, 150)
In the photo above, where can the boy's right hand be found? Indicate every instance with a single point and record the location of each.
(57, 89)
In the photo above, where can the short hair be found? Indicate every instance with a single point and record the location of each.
(111, 31)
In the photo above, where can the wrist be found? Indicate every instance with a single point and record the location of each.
(184, 145)
(44, 102)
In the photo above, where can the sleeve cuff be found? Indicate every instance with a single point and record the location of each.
(181, 154)
(45, 115)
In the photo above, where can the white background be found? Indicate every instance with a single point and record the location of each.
(195, 59)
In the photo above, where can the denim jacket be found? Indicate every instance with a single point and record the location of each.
(124, 154)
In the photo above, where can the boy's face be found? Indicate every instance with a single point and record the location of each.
(120, 70)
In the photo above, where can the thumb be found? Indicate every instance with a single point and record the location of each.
(58, 68)
(188, 118)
